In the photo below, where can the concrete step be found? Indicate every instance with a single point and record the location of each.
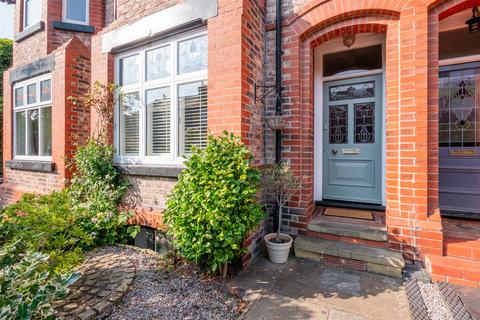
(375, 260)
(454, 270)
(358, 231)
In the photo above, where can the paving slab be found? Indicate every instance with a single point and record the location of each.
(302, 289)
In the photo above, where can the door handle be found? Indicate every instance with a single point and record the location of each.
(334, 151)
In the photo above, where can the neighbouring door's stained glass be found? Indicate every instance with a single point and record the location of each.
(338, 124)
(459, 114)
(352, 91)
(364, 122)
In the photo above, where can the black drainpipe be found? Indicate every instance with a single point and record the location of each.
(278, 78)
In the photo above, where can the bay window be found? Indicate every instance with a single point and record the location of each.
(162, 111)
(33, 119)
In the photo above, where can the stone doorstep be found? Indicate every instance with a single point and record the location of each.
(377, 260)
(349, 230)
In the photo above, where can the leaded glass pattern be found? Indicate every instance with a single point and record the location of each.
(19, 97)
(158, 63)
(459, 113)
(32, 93)
(338, 122)
(352, 91)
(192, 55)
(364, 122)
(130, 70)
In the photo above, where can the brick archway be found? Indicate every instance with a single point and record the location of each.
(412, 228)
(300, 95)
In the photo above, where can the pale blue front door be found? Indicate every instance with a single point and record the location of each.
(352, 140)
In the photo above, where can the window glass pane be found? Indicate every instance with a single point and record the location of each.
(130, 70)
(192, 55)
(192, 107)
(33, 12)
(45, 90)
(77, 10)
(19, 97)
(364, 122)
(351, 61)
(158, 63)
(32, 132)
(158, 121)
(20, 133)
(351, 91)
(32, 93)
(46, 149)
(458, 107)
(129, 124)
(338, 121)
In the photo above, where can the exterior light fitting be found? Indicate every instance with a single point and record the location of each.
(474, 22)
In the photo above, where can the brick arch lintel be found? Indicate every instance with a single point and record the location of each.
(337, 32)
(304, 28)
(447, 8)
(337, 8)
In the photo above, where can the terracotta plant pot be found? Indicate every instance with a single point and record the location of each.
(278, 252)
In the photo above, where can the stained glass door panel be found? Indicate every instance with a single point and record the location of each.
(459, 139)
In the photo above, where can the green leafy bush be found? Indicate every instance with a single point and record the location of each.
(43, 237)
(214, 205)
(26, 288)
(47, 224)
(96, 191)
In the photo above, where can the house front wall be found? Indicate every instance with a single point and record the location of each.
(241, 55)
(410, 30)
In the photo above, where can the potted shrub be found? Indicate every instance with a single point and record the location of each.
(280, 183)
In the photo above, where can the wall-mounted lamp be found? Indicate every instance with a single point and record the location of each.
(474, 22)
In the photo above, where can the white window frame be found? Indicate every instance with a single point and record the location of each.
(25, 15)
(87, 13)
(27, 107)
(174, 81)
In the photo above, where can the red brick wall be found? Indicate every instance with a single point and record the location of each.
(70, 123)
(413, 219)
(56, 37)
(42, 43)
(131, 10)
(76, 79)
(236, 41)
(33, 47)
(236, 44)
(71, 77)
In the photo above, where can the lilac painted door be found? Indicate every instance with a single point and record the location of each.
(459, 138)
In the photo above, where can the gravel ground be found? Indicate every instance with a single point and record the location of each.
(181, 294)
(437, 310)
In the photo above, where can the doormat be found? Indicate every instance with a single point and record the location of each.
(348, 213)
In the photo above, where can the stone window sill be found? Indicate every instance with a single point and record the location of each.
(37, 27)
(60, 25)
(29, 165)
(150, 171)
